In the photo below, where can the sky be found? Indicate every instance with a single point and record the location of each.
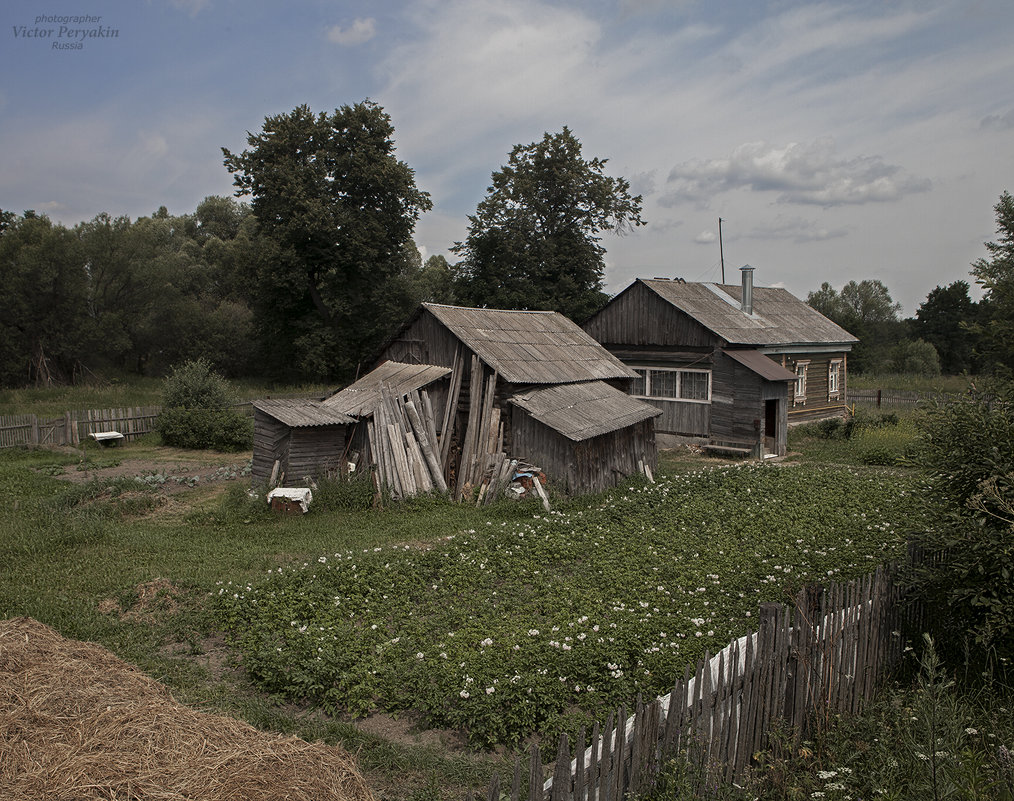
(837, 141)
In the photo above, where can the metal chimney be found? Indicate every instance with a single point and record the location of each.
(747, 302)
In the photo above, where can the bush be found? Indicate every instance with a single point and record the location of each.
(196, 411)
(967, 448)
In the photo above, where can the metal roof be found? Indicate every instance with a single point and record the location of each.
(362, 397)
(583, 411)
(301, 413)
(756, 361)
(530, 347)
(779, 318)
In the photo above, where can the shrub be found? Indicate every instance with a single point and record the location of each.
(967, 448)
(196, 411)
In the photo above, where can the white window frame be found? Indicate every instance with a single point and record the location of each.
(799, 396)
(834, 379)
(646, 372)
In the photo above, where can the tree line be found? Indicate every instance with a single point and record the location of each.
(307, 279)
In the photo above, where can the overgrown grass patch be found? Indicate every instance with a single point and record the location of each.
(519, 626)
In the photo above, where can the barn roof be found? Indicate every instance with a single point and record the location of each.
(779, 317)
(760, 364)
(583, 411)
(362, 397)
(530, 347)
(301, 413)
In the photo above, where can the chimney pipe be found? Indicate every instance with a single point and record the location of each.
(747, 303)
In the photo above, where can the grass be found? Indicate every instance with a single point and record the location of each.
(68, 550)
(898, 382)
(123, 392)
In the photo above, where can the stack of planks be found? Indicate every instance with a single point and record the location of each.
(403, 440)
(482, 448)
(501, 473)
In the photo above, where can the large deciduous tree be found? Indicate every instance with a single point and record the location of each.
(864, 309)
(338, 209)
(945, 320)
(996, 276)
(533, 242)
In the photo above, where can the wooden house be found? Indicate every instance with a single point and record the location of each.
(530, 386)
(296, 441)
(729, 366)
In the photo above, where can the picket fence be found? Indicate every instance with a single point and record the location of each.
(73, 427)
(824, 656)
(889, 398)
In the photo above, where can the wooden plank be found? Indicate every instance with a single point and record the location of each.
(451, 407)
(535, 775)
(580, 767)
(593, 765)
(607, 760)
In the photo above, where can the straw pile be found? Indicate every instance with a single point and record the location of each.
(78, 723)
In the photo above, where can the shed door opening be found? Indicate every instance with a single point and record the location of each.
(771, 426)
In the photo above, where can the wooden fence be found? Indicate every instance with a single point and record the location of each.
(802, 665)
(889, 398)
(73, 427)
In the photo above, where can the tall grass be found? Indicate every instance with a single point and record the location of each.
(900, 382)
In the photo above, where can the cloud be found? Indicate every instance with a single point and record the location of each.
(192, 7)
(798, 230)
(998, 122)
(362, 30)
(803, 173)
(706, 238)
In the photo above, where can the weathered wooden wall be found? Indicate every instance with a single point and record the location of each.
(592, 465)
(271, 443)
(313, 452)
(637, 316)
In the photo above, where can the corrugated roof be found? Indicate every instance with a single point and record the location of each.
(779, 317)
(301, 413)
(362, 397)
(530, 347)
(760, 364)
(582, 411)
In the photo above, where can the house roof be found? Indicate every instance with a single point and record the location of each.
(756, 361)
(582, 411)
(530, 347)
(301, 413)
(363, 397)
(779, 318)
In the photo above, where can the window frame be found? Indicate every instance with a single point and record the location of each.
(799, 392)
(834, 376)
(645, 372)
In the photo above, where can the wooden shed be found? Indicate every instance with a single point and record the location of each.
(526, 385)
(296, 441)
(729, 366)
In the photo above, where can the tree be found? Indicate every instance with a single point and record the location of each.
(864, 309)
(996, 276)
(944, 320)
(533, 242)
(43, 322)
(338, 208)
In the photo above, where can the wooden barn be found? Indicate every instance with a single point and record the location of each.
(729, 366)
(525, 386)
(296, 441)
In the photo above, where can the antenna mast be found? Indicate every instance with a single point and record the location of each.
(721, 251)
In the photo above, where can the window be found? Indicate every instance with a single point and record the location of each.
(672, 384)
(834, 379)
(800, 394)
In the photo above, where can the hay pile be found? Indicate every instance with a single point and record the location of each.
(76, 723)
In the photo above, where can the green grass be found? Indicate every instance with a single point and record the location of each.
(124, 392)
(898, 382)
(65, 549)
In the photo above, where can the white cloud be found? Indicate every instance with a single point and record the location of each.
(192, 7)
(804, 173)
(361, 30)
(706, 238)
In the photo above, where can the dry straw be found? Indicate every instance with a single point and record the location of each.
(78, 723)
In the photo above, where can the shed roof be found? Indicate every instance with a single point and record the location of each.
(363, 397)
(582, 411)
(779, 318)
(756, 361)
(301, 413)
(530, 347)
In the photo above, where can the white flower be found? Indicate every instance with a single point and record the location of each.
(487, 642)
(419, 655)
(464, 694)
(490, 690)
